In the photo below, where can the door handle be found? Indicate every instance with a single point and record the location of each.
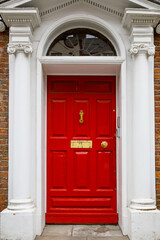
(104, 144)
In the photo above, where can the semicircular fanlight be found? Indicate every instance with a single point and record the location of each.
(81, 42)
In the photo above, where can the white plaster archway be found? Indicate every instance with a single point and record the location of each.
(102, 66)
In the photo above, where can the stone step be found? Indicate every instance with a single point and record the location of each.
(82, 232)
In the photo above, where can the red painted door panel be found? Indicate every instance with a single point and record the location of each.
(81, 182)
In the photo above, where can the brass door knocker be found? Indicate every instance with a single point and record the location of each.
(81, 113)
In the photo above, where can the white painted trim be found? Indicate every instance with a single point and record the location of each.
(40, 158)
(123, 196)
(82, 65)
(81, 60)
(45, 79)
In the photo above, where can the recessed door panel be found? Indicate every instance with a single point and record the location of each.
(64, 86)
(103, 170)
(81, 202)
(58, 118)
(81, 150)
(98, 87)
(59, 170)
(81, 170)
(81, 118)
(104, 123)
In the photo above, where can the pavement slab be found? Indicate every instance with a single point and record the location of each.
(96, 230)
(57, 230)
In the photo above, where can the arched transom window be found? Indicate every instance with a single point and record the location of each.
(81, 42)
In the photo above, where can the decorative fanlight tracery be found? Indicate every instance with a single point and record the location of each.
(81, 42)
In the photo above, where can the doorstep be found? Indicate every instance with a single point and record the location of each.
(82, 232)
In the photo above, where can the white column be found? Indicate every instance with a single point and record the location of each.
(143, 217)
(18, 220)
(141, 128)
(21, 128)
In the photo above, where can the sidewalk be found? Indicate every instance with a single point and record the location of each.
(82, 232)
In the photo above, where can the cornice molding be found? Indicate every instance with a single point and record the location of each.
(142, 48)
(141, 17)
(21, 17)
(108, 9)
(92, 3)
(13, 48)
(58, 7)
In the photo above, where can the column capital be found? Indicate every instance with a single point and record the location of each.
(13, 48)
(142, 48)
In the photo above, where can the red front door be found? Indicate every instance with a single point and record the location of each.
(81, 155)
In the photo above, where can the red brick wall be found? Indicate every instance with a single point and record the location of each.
(157, 115)
(3, 120)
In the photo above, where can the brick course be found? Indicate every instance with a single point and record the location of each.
(4, 38)
(4, 118)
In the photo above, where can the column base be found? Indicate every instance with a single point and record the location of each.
(143, 204)
(18, 225)
(143, 224)
(20, 204)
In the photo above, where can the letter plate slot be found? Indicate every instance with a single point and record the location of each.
(81, 144)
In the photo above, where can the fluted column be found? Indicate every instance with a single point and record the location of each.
(21, 128)
(141, 127)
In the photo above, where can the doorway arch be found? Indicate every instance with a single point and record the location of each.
(102, 65)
